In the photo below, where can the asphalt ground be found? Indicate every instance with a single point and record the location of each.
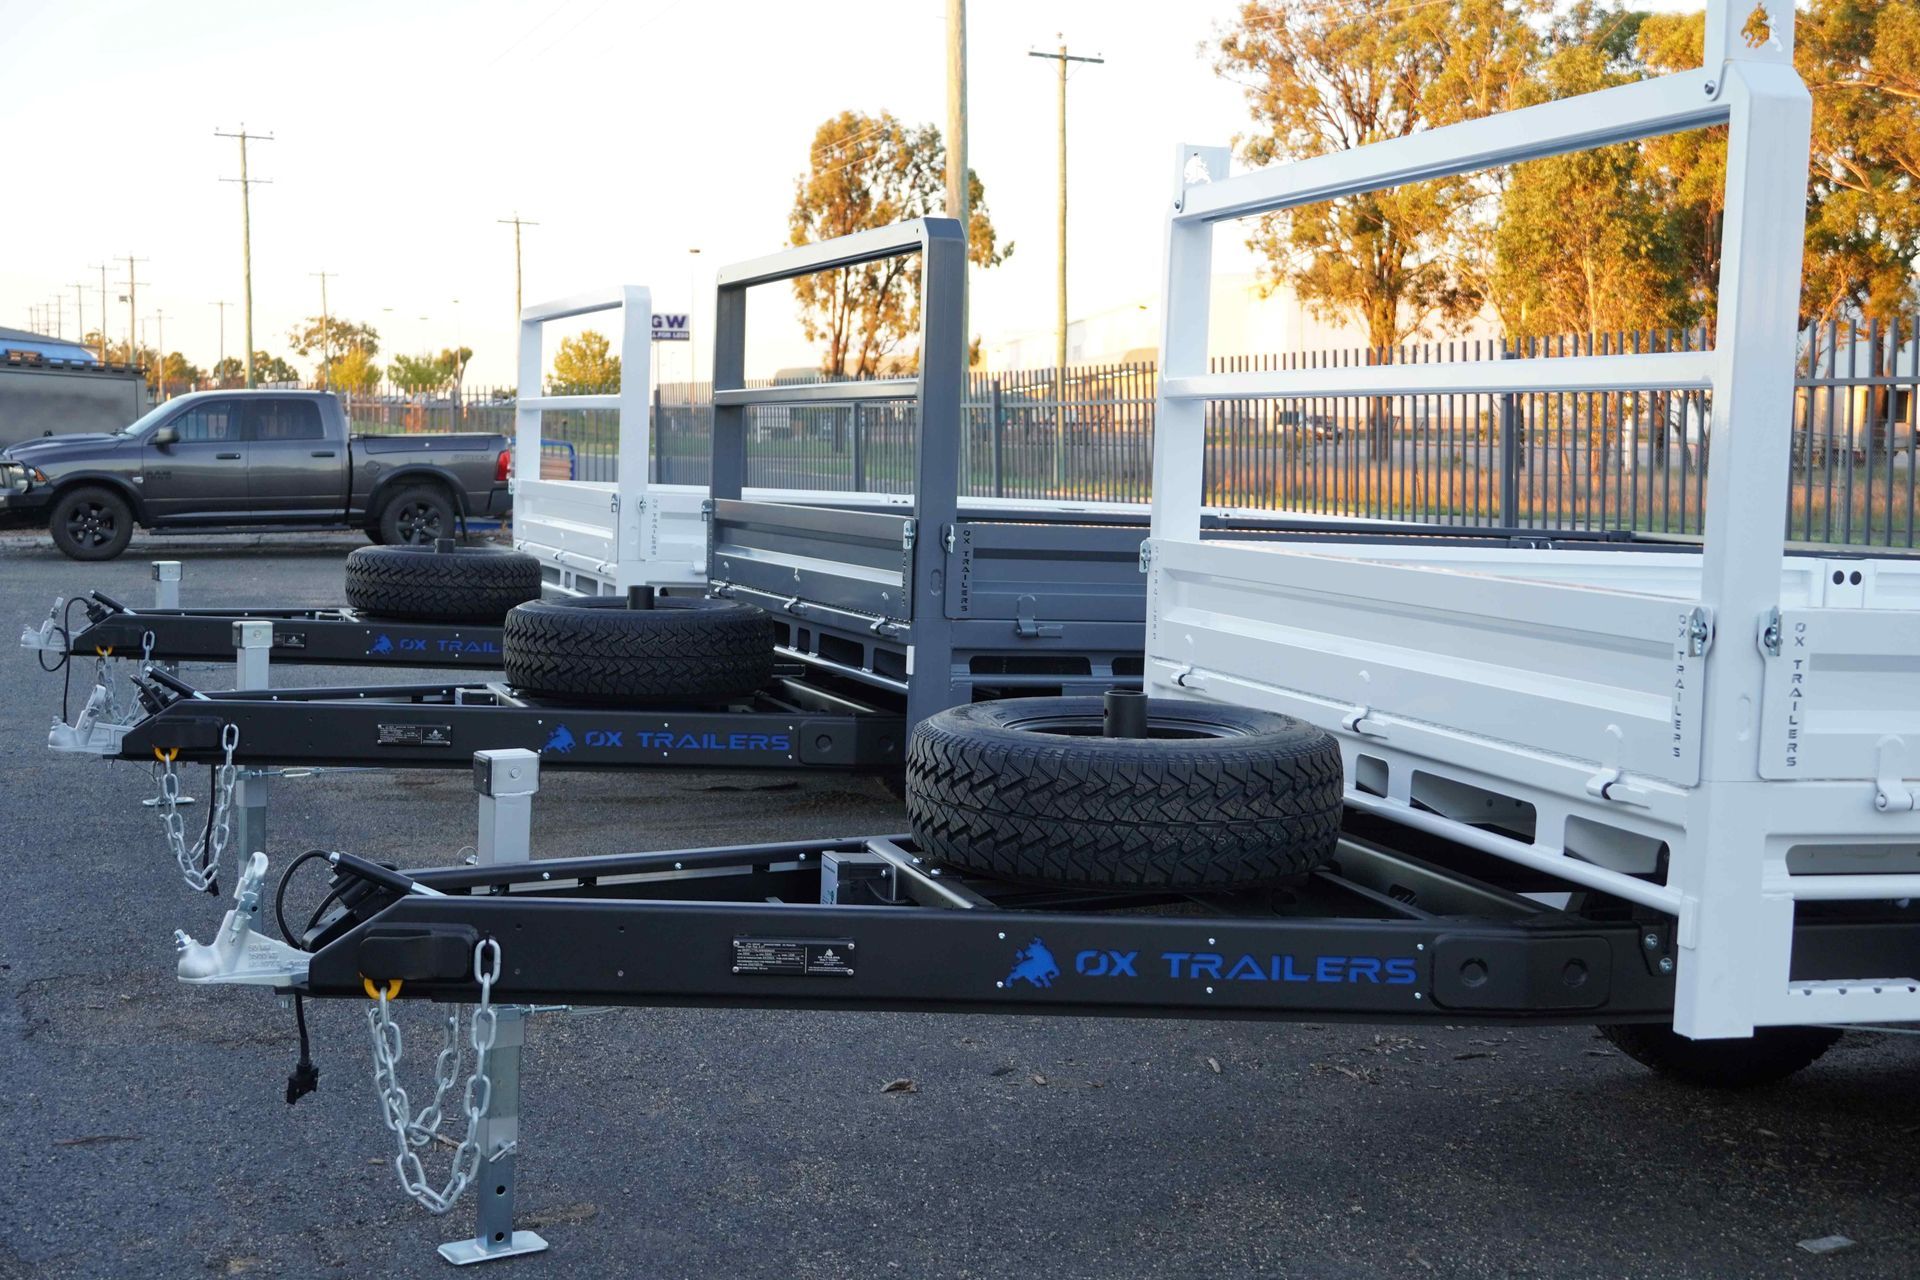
(143, 1130)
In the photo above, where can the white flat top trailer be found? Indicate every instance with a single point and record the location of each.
(1723, 737)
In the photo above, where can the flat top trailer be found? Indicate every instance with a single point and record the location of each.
(1669, 791)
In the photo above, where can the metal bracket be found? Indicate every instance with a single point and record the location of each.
(1029, 627)
(237, 954)
(947, 539)
(1606, 785)
(909, 532)
(1770, 633)
(1185, 677)
(1146, 555)
(1890, 791)
(614, 505)
(706, 509)
(1361, 721)
(1699, 631)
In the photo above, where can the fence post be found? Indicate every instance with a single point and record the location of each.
(859, 451)
(1509, 458)
(999, 443)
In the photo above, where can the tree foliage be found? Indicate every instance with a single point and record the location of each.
(584, 365)
(229, 372)
(864, 172)
(423, 373)
(333, 339)
(1861, 60)
(353, 371)
(1323, 78)
(269, 369)
(1592, 241)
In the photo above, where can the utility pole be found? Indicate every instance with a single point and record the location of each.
(1060, 280)
(79, 315)
(326, 330)
(516, 222)
(102, 269)
(160, 341)
(222, 304)
(957, 192)
(133, 337)
(246, 231)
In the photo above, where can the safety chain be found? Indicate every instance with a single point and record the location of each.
(199, 878)
(410, 1131)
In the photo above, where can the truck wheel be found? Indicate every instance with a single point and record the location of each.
(1214, 797)
(91, 524)
(453, 584)
(1771, 1056)
(416, 517)
(681, 649)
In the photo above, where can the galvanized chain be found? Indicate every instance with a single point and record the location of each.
(169, 807)
(200, 878)
(411, 1131)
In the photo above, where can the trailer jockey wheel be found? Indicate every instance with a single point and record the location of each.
(640, 648)
(441, 583)
(1177, 795)
(1771, 1056)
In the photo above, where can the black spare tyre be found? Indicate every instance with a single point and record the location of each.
(608, 649)
(442, 583)
(1212, 797)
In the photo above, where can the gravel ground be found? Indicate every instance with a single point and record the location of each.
(143, 1131)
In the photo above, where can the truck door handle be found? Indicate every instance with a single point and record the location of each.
(321, 453)
(234, 456)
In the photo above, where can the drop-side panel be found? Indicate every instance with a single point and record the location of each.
(1592, 675)
(854, 561)
(1842, 696)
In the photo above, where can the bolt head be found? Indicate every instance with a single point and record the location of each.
(1651, 941)
(1666, 964)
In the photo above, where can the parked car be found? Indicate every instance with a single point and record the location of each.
(227, 460)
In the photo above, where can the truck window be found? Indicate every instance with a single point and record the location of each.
(285, 420)
(209, 422)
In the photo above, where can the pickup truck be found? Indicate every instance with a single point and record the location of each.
(249, 460)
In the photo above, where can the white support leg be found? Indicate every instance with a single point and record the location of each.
(166, 584)
(252, 642)
(506, 781)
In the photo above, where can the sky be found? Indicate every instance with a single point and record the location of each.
(631, 132)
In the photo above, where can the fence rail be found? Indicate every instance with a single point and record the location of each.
(1592, 461)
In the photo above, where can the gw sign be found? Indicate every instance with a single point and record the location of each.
(672, 328)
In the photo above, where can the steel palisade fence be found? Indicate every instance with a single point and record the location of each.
(1590, 461)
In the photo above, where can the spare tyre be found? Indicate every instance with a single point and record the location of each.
(441, 583)
(652, 649)
(1212, 797)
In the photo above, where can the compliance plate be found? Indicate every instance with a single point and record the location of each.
(794, 957)
(415, 735)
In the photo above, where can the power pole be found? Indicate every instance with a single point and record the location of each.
(102, 269)
(246, 231)
(160, 341)
(133, 287)
(222, 304)
(326, 330)
(1060, 282)
(79, 315)
(957, 192)
(516, 222)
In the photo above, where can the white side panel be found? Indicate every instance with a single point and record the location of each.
(1842, 698)
(1601, 676)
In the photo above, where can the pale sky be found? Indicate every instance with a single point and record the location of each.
(630, 131)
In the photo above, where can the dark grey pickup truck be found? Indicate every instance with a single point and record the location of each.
(226, 460)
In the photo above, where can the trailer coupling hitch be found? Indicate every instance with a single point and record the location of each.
(97, 730)
(237, 953)
(48, 636)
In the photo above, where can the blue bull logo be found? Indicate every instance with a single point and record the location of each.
(1034, 964)
(381, 644)
(559, 740)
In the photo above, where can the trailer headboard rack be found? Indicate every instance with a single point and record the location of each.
(1724, 738)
